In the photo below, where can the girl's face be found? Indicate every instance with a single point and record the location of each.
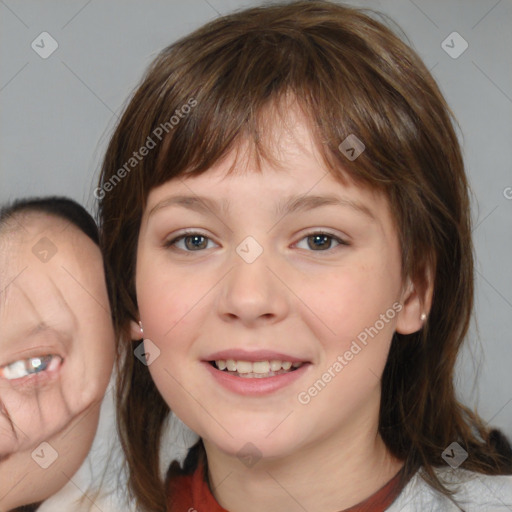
(270, 299)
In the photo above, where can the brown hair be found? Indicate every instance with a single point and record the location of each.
(349, 74)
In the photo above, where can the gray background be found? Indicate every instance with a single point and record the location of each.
(57, 114)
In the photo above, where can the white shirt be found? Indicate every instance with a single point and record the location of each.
(474, 493)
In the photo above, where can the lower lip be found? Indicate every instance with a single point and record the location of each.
(256, 386)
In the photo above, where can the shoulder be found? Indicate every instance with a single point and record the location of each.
(472, 492)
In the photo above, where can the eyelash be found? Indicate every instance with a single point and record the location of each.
(171, 244)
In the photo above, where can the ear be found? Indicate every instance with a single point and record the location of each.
(417, 301)
(136, 330)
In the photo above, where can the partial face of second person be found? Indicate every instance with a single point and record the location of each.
(287, 265)
(55, 319)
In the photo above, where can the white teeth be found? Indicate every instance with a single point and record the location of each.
(261, 367)
(33, 365)
(15, 370)
(258, 367)
(275, 365)
(244, 367)
(56, 361)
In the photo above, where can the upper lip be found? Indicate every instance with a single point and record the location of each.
(256, 355)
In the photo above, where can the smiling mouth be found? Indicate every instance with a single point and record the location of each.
(255, 369)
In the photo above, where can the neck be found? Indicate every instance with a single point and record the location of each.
(343, 470)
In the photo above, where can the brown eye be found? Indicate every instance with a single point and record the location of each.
(190, 242)
(320, 242)
(195, 242)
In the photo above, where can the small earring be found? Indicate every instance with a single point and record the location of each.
(141, 329)
(423, 317)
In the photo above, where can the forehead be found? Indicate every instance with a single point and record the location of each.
(49, 272)
(43, 243)
(288, 161)
(24, 229)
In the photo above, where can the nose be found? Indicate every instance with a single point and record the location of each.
(252, 294)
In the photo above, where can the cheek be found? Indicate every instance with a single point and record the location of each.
(166, 304)
(96, 338)
(352, 299)
(356, 318)
(172, 303)
(358, 312)
(101, 342)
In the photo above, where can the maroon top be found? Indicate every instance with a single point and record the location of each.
(190, 492)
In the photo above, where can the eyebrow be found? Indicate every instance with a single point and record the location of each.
(41, 328)
(295, 204)
(292, 204)
(199, 204)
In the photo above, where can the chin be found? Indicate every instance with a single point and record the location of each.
(258, 440)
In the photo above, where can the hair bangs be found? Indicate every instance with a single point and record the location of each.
(234, 109)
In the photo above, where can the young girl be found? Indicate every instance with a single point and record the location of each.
(285, 212)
